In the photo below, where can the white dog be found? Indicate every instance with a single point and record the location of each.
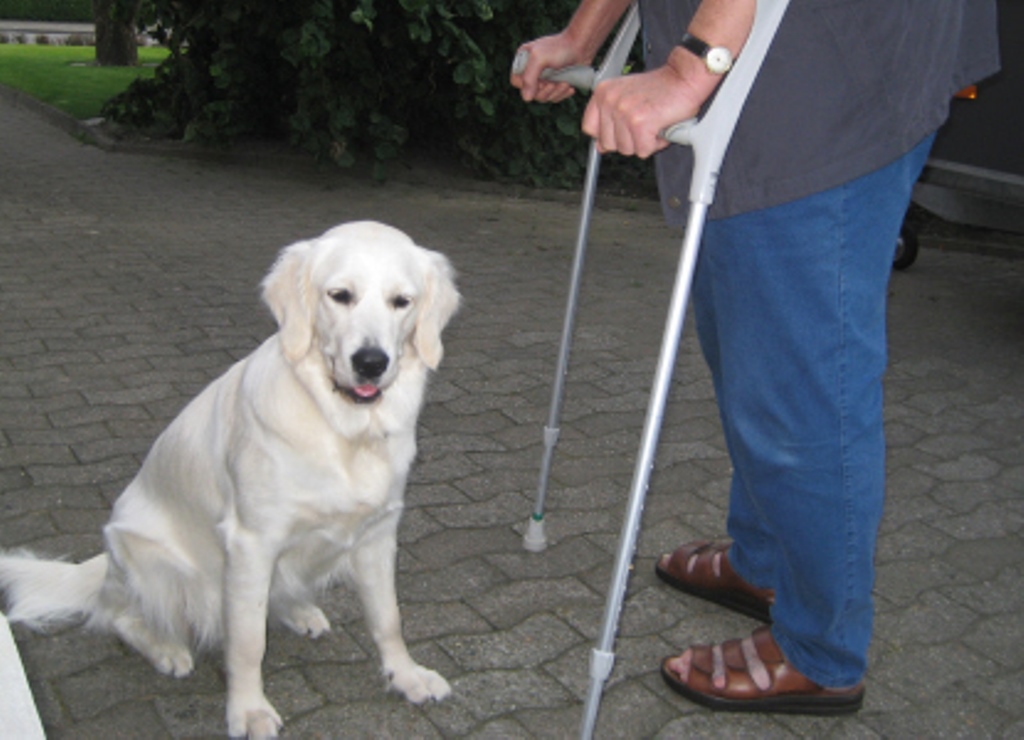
(283, 475)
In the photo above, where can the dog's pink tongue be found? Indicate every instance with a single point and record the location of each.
(365, 391)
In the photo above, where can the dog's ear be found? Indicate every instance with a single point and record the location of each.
(288, 292)
(439, 303)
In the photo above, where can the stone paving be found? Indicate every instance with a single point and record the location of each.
(129, 281)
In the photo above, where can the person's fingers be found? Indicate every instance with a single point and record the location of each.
(623, 116)
(526, 77)
(553, 92)
(591, 123)
(531, 60)
(603, 120)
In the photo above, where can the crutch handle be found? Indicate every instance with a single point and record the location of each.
(679, 133)
(583, 77)
(579, 76)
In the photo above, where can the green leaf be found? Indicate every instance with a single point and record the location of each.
(568, 126)
(463, 73)
(486, 105)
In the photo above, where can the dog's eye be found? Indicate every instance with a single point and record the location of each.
(401, 301)
(343, 296)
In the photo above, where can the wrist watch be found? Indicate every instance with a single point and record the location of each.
(717, 59)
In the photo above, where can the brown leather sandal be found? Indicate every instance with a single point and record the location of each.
(752, 675)
(702, 569)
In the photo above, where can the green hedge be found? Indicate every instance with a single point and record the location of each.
(78, 11)
(341, 78)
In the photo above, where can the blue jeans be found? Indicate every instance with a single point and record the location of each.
(790, 306)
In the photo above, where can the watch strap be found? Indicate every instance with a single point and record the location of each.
(694, 45)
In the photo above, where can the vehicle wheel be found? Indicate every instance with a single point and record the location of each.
(906, 249)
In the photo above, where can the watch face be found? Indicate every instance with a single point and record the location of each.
(718, 60)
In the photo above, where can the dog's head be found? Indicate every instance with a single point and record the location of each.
(362, 296)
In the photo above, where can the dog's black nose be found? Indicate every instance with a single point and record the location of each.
(370, 362)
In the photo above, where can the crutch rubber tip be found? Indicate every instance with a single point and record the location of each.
(535, 540)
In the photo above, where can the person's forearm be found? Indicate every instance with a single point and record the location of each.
(724, 22)
(591, 24)
(718, 23)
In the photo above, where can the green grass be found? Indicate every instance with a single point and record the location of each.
(66, 78)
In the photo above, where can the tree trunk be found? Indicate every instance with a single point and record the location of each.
(115, 32)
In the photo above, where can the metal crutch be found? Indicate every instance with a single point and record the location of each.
(582, 78)
(709, 137)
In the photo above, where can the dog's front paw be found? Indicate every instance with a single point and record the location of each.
(173, 660)
(307, 620)
(419, 684)
(253, 720)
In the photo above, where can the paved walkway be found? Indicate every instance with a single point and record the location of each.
(129, 281)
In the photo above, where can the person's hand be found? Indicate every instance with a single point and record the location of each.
(549, 52)
(627, 114)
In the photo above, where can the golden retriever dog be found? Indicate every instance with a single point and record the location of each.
(285, 474)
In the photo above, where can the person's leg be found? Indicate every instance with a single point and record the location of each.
(713, 291)
(790, 308)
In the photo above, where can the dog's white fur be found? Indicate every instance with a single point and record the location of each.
(274, 481)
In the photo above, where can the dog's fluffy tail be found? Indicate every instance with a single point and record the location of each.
(47, 593)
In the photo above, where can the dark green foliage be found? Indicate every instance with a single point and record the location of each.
(341, 78)
(78, 11)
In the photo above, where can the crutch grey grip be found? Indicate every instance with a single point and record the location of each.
(581, 77)
(680, 133)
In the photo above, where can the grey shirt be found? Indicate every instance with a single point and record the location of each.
(848, 86)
